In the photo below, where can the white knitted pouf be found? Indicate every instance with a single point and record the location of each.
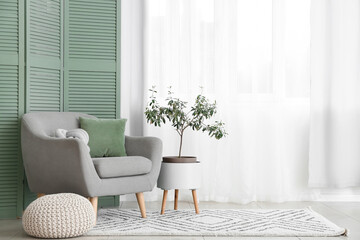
(60, 215)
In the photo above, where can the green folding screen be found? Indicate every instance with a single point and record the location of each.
(11, 105)
(44, 45)
(71, 63)
(92, 57)
(92, 61)
(44, 61)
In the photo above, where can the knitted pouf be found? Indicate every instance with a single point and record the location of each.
(60, 215)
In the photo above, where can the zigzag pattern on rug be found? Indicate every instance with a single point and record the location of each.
(216, 222)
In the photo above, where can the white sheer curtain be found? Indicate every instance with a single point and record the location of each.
(253, 58)
(335, 98)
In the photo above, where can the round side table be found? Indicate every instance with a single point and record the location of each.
(179, 176)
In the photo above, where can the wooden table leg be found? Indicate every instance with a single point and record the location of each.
(176, 199)
(195, 201)
(164, 202)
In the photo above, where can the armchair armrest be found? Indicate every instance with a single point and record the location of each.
(149, 147)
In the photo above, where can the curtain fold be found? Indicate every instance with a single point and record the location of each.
(335, 98)
(253, 58)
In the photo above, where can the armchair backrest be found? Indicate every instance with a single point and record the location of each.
(45, 123)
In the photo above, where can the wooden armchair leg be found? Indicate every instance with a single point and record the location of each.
(39, 195)
(94, 203)
(163, 205)
(141, 202)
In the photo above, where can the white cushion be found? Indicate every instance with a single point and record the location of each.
(74, 133)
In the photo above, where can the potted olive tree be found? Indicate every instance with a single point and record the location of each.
(181, 118)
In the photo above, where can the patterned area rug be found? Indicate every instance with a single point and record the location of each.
(213, 222)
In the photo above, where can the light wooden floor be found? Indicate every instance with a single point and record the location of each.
(344, 214)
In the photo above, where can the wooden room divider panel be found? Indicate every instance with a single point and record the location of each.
(44, 62)
(72, 61)
(92, 61)
(11, 105)
(72, 64)
(92, 57)
(44, 46)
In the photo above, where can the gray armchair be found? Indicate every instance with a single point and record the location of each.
(55, 165)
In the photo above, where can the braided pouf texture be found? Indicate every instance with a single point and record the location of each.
(60, 215)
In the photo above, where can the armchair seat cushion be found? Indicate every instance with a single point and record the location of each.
(112, 167)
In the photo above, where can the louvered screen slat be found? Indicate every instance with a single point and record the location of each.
(9, 139)
(44, 56)
(9, 25)
(45, 90)
(98, 26)
(92, 42)
(11, 83)
(44, 20)
(90, 94)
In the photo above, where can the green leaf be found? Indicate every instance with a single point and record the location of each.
(175, 112)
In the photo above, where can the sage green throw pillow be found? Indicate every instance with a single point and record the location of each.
(106, 136)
